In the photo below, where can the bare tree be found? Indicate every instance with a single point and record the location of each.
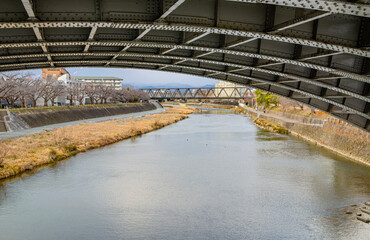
(50, 90)
(5, 88)
(57, 90)
(35, 91)
(24, 83)
(130, 94)
(286, 103)
(141, 95)
(46, 91)
(105, 93)
(21, 89)
(80, 94)
(92, 92)
(13, 88)
(76, 92)
(71, 91)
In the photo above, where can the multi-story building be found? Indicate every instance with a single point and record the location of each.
(53, 73)
(76, 86)
(114, 82)
(226, 89)
(64, 78)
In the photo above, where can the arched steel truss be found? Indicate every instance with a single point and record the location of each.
(312, 51)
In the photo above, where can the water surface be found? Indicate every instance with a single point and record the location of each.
(212, 176)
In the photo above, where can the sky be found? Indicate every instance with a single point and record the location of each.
(140, 78)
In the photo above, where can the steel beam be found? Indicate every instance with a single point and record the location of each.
(189, 28)
(298, 21)
(192, 39)
(28, 6)
(239, 42)
(160, 19)
(208, 50)
(237, 67)
(202, 54)
(142, 34)
(91, 37)
(318, 55)
(197, 37)
(167, 51)
(133, 63)
(362, 10)
(198, 93)
(171, 9)
(218, 20)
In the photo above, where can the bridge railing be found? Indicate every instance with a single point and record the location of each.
(200, 93)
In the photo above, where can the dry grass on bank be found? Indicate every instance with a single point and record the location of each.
(25, 153)
(270, 126)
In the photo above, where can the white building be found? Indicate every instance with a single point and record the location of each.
(64, 99)
(227, 89)
(105, 81)
(69, 82)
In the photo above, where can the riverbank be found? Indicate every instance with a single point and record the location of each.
(212, 174)
(29, 152)
(25, 118)
(343, 139)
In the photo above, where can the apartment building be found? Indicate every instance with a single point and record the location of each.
(105, 81)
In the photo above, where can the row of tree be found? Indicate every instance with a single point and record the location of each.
(23, 91)
(269, 101)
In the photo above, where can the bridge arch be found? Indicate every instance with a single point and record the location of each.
(313, 51)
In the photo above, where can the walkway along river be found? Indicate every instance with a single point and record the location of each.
(212, 176)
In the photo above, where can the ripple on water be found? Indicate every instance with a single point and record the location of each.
(208, 177)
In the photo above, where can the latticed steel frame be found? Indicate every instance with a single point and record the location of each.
(199, 93)
(313, 51)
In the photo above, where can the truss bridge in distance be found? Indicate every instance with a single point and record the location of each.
(231, 93)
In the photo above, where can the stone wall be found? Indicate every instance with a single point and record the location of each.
(42, 117)
(341, 138)
(346, 140)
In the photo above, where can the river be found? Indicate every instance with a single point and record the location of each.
(212, 176)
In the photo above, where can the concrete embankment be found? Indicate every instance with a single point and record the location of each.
(42, 117)
(343, 139)
(2, 122)
(26, 153)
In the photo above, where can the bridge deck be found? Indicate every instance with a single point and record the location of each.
(315, 52)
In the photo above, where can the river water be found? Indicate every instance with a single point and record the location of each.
(212, 176)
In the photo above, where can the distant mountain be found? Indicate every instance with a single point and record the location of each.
(208, 86)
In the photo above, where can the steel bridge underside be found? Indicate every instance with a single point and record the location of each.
(313, 51)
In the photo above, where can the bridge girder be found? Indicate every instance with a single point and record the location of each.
(313, 51)
(238, 67)
(322, 5)
(204, 30)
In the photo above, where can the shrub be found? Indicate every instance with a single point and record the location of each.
(71, 148)
(53, 154)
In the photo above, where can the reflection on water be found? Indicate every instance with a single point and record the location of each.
(212, 176)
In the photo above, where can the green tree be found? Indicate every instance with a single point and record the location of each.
(266, 99)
